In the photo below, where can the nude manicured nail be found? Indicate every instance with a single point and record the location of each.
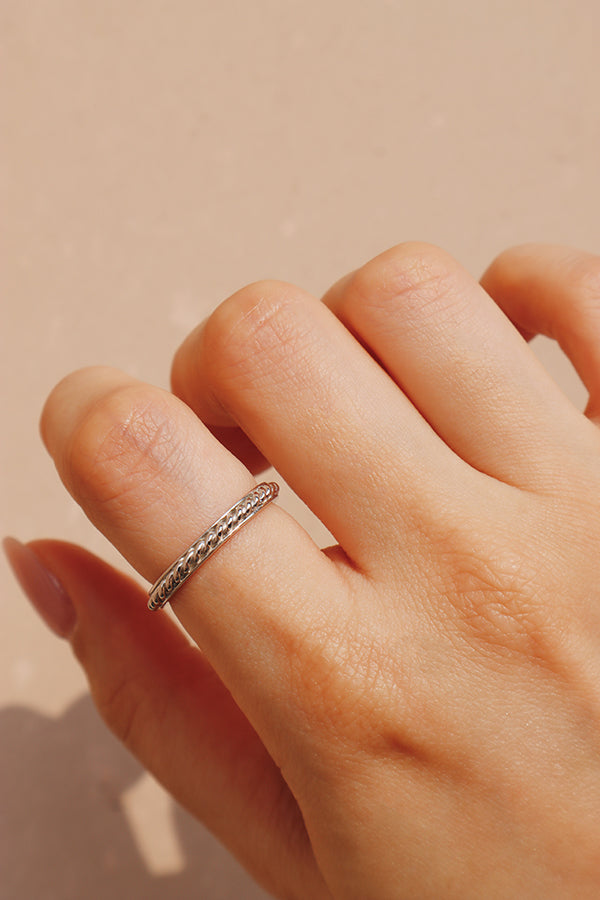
(42, 587)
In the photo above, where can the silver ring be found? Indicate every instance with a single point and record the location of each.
(214, 537)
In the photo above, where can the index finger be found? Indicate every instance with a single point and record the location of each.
(152, 478)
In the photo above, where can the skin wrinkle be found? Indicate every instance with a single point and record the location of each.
(268, 340)
(428, 301)
(263, 328)
(125, 449)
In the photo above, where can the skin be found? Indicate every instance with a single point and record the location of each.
(415, 712)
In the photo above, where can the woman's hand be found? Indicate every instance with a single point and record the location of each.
(414, 713)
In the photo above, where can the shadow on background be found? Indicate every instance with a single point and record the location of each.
(63, 832)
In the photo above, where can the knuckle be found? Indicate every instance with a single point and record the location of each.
(578, 316)
(253, 331)
(339, 675)
(499, 598)
(123, 447)
(120, 699)
(122, 707)
(419, 277)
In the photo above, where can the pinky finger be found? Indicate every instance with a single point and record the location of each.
(554, 291)
(161, 698)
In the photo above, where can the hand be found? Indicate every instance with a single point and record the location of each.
(414, 713)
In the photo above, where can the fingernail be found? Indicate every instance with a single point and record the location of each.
(42, 587)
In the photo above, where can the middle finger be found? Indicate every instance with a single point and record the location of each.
(321, 410)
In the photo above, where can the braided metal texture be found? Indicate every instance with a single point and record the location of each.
(213, 538)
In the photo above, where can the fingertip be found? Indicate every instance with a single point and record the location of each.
(42, 587)
(71, 397)
(97, 589)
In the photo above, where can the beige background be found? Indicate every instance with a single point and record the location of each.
(155, 157)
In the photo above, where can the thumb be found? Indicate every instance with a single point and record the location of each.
(163, 701)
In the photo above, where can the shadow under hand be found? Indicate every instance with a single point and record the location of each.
(64, 833)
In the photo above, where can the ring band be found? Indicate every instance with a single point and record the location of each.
(214, 537)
